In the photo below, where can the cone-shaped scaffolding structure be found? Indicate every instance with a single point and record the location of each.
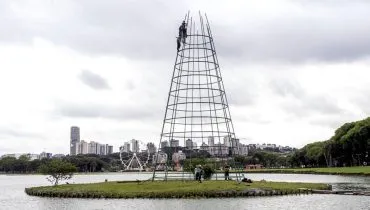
(197, 114)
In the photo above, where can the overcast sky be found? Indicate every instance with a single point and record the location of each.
(294, 71)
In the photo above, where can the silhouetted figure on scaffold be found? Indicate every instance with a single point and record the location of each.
(182, 35)
(178, 43)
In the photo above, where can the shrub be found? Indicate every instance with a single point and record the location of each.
(208, 171)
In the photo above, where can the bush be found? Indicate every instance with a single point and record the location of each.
(208, 171)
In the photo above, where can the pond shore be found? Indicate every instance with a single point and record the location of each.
(175, 189)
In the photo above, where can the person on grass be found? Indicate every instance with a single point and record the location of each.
(227, 171)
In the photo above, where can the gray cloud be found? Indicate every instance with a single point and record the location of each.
(364, 104)
(254, 118)
(305, 103)
(142, 33)
(130, 85)
(93, 80)
(240, 100)
(124, 112)
(240, 96)
(306, 32)
(334, 121)
(241, 90)
(303, 31)
(133, 28)
(18, 133)
(361, 98)
(313, 106)
(321, 104)
(284, 88)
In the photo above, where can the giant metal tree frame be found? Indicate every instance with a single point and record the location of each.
(197, 109)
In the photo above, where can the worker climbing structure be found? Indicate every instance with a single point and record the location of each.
(197, 120)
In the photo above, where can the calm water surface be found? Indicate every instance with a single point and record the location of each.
(12, 195)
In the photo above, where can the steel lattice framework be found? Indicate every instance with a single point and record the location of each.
(197, 106)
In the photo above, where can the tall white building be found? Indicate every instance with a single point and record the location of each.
(164, 144)
(194, 145)
(93, 148)
(135, 145)
(162, 158)
(75, 138)
(189, 144)
(152, 148)
(45, 155)
(243, 150)
(82, 147)
(174, 143)
(110, 149)
(99, 149)
(211, 141)
(227, 141)
(126, 147)
(211, 145)
(220, 150)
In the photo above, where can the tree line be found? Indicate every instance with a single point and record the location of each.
(83, 163)
(349, 146)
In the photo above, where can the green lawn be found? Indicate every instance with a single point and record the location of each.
(160, 189)
(357, 170)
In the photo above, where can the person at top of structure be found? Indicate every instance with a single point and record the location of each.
(178, 40)
(182, 35)
(183, 31)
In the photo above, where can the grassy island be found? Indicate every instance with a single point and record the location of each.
(173, 189)
(357, 170)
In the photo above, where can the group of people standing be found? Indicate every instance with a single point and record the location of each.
(199, 172)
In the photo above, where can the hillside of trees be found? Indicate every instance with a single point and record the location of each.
(83, 163)
(350, 146)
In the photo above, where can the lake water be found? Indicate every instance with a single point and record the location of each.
(12, 195)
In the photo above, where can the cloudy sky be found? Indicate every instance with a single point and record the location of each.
(293, 70)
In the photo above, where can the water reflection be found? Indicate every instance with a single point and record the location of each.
(314, 202)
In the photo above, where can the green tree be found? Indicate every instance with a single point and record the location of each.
(190, 164)
(8, 163)
(349, 146)
(57, 170)
(208, 171)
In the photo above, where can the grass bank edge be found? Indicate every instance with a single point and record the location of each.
(174, 189)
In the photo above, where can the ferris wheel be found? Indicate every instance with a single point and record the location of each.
(134, 155)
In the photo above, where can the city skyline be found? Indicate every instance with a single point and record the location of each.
(294, 71)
